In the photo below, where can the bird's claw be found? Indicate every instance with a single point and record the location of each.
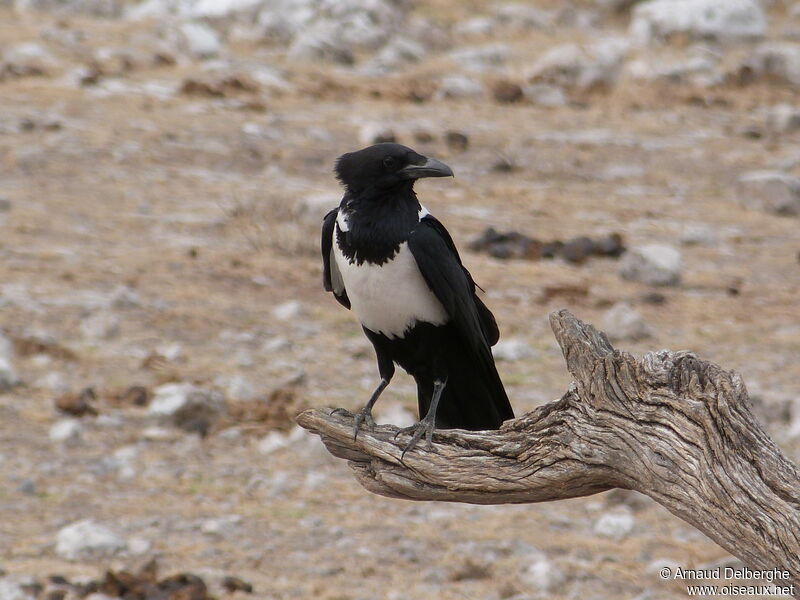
(363, 416)
(419, 430)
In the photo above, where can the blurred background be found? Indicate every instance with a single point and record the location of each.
(164, 168)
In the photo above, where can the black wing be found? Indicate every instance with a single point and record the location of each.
(474, 397)
(331, 278)
(451, 283)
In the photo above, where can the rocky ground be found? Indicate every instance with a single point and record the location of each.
(163, 170)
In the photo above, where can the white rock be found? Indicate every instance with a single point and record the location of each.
(430, 34)
(542, 574)
(481, 58)
(616, 524)
(171, 351)
(139, 546)
(655, 566)
(201, 40)
(221, 526)
(297, 434)
(123, 461)
(187, 406)
(562, 60)
(11, 590)
(621, 171)
(100, 326)
(95, 8)
(460, 87)
(523, 16)
(544, 94)
(622, 322)
(584, 67)
(476, 26)
(8, 375)
(158, 434)
(271, 442)
(374, 133)
(41, 360)
(17, 294)
(398, 52)
(783, 118)
(769, 191)
(54, 381)
(314, 480)
(28, 58)
(697, 65)
(110, 421)
(698, 234)
(281, 25)
(719, 19)
(270, 79)
(653, 264)
(157, 9)
(332, 29)
(170, 398)
(288, 310)
(127, 454)
(512, 349)
(67, 431)
(86, 540)
(224, 8)
(231, 434)
(239, 388)
(275, 345)
(780, 60)
(793, 429)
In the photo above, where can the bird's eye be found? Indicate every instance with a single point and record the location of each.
(389, 162)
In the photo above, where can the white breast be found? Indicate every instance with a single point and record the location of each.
(392, 297)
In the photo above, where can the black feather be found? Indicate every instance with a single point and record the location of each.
(326, 243)
(382, 213)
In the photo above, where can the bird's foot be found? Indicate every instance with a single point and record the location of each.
(362, 417)
(418, 430)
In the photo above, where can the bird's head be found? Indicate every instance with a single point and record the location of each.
(386, 166)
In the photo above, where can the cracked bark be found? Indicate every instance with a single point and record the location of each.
(669, 425)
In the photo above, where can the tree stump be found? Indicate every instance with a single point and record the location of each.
(669, 425)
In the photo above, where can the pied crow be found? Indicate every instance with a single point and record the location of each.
(396, 266)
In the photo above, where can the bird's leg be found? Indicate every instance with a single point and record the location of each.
(386, 371)
(365, 414)
(427, 424)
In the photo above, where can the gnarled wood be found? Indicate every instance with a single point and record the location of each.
(668, 425)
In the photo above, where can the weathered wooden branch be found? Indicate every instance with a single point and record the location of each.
(668, 425)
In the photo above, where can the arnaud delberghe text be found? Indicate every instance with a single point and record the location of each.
(732, 573)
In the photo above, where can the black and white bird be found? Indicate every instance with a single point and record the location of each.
(391, 262)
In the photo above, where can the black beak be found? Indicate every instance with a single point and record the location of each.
(430, 168)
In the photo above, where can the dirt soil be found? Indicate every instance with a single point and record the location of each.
(149, 237)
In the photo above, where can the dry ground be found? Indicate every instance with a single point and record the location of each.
(209, 211)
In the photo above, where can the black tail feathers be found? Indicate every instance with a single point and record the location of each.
(473, 398)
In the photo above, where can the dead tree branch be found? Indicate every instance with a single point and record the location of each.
(668, 425)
